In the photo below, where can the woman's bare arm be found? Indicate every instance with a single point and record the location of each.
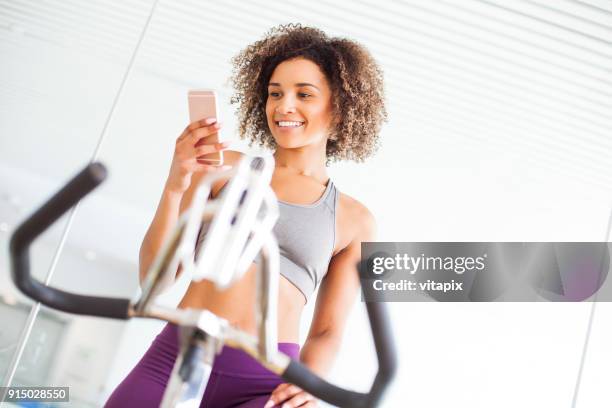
(337, 295)
(170, 207)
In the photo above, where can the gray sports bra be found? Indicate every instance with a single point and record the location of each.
(306, 235)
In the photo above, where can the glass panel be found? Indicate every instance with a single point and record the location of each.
(61, 69)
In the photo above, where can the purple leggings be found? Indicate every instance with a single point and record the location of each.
(237, 380)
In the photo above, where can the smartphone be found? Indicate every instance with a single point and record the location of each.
(202, 105)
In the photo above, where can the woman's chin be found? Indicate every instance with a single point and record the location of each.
(287, 142)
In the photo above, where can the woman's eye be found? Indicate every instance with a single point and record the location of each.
(304, 95)
(274, 94)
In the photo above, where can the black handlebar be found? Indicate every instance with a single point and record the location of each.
(86, 181)
(81, 185)
(296, 373)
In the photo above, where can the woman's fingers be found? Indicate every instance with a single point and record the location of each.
(210, 148)
(276, 395)
(205, 166)
(298, 400)
(200, 124)
(190, 149)
(205, 131)
(289, 396)
(200, 153)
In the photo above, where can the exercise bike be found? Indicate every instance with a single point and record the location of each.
(239, 227)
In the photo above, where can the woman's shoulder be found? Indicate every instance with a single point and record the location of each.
(353, 206)
(355, 217)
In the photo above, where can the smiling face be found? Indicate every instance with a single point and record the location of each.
(299, 105)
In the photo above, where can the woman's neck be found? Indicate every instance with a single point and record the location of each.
(305, 162)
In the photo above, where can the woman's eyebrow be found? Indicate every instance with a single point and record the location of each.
(306, 84)
(298, 84)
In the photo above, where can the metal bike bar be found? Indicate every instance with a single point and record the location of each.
(266, 313)
(207, 266)
(259, 177)
(245, 226)
(225, 213)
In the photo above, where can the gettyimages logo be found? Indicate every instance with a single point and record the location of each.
(485, 271)
(412, 264)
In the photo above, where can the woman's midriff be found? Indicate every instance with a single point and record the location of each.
(237, 304)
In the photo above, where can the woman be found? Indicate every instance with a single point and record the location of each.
(311, 99)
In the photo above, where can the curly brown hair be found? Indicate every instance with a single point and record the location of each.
(356, 82)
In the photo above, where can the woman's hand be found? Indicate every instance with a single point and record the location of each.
(289, 396)
(191, 145)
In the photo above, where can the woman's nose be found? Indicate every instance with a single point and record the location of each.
(285, 108)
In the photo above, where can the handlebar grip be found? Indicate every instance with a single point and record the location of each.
(298, 374)
(77, 188)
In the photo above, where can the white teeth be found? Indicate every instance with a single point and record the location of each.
(289, 124)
